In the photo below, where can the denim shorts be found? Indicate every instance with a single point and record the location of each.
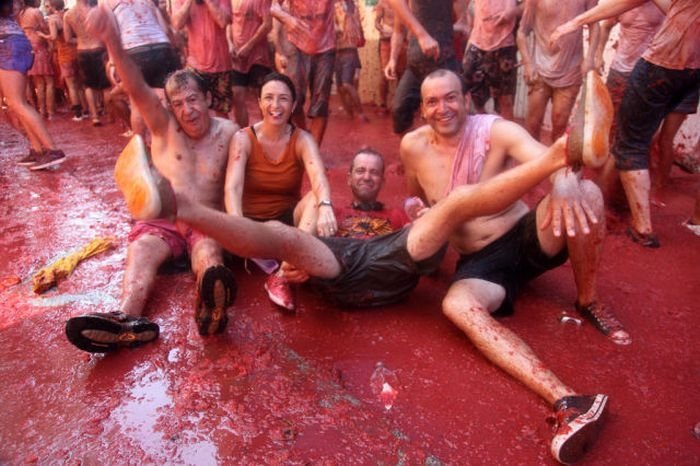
(16, 53)
(652, 93)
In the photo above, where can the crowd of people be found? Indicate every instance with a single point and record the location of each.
(178, 76)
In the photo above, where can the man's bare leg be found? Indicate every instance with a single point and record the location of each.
(240, 111)
(637, 184)
(585, 253)
(144, 256)
(318, 128)
(505, 107)
(537, 97)
(247, 238)
(563, 100)
(468, 304)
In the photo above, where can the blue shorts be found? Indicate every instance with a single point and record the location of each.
(16, 53)
(652, 93)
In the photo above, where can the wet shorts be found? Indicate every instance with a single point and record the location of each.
(253, 78)
(490, 73)
(375, 271)
(156, 62)
(652, 93)
(16, 53)
(511, 261)
(347, 62)
(219, 86)
(178, 236)
(316, 72)
(91, 64)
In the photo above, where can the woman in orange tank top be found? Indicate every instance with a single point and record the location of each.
(266, 170)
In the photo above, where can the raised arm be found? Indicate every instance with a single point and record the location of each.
(530, 72)
(181, 13)
(308, 149)
(427, 43)
(101, 23)
(605, 28)
(604, 10)
(238, 155)
(398, 38)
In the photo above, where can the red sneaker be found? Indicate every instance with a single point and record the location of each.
(280, 292)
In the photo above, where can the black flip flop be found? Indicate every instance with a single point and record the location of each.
(103, 332)
(217, 291)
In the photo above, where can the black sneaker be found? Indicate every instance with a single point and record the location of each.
(103, 332)
(48, 159)
(578, 418)
(30, 159)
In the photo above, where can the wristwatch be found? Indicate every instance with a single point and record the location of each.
(325, 202)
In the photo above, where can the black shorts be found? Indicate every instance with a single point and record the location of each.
(156, 62)
(375, 271)
(511, 261)
(91, 64)
(253, 78)
(347, 61)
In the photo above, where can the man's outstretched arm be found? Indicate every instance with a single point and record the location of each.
(101, 23)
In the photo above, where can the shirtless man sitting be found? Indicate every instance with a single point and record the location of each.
(500, 252)
(191, 150)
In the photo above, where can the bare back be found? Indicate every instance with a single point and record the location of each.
(74, 19)
(197, 167)
(429, 168)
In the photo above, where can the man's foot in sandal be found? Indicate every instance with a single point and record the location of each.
(216, 292)
(147, 194)
(104, 332)
(605, 321)
(647, 240)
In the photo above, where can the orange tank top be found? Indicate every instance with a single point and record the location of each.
(271, 188)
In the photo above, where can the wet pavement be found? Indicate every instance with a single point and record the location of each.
(295, 389)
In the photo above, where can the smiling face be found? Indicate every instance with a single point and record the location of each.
(443, 104)
(366, 177)
(276, 102)
(190, 106)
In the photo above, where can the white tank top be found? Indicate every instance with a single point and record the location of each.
(138, 24)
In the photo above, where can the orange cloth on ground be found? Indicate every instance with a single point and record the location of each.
(271, 188)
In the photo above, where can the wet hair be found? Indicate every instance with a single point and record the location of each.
(6, 7)
(442, 72)
(368, 151)
(181, 78)
(57, 5)
(275, 76)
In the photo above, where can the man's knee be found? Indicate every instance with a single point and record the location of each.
(148, 251)
(463, 308)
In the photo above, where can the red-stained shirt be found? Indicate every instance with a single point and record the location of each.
(207, 49)
(246, 18)
(363, 224)
(677, 44)
(319, 17)
(487, 34)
